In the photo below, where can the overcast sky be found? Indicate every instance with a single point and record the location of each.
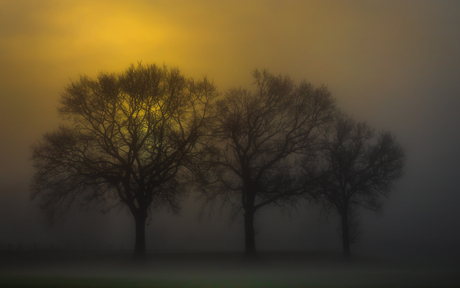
(395, 64)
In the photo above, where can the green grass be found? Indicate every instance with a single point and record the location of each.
(98, 282)
(219, 270)
(106, 282)
(91, 282)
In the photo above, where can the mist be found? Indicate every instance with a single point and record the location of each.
(394, 64)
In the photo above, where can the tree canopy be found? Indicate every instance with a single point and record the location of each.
(254, 135)
(355, 167)
(129, 138)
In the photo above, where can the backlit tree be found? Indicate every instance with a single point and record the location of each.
(129, 139)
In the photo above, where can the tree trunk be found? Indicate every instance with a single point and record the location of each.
(139, 249)
(249, 233)
(345, 235)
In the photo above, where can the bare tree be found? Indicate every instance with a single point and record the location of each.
(257, 136)
(357, 168)
(129, 140)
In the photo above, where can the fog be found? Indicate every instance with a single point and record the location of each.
(395, 64)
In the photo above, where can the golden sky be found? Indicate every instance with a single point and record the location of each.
(393, 63)
(223, 39)
(359, 45)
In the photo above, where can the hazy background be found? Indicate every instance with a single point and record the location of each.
(395, 64)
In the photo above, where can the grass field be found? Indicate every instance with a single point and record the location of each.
(119, 269)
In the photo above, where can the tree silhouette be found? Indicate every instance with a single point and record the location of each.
(130, 140)
(356, 169)
(256, 137)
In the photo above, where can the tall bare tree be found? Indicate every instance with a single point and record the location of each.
(357, 168)
(256, 137)
(129, 140)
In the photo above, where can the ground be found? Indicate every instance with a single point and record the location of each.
(270, 269)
